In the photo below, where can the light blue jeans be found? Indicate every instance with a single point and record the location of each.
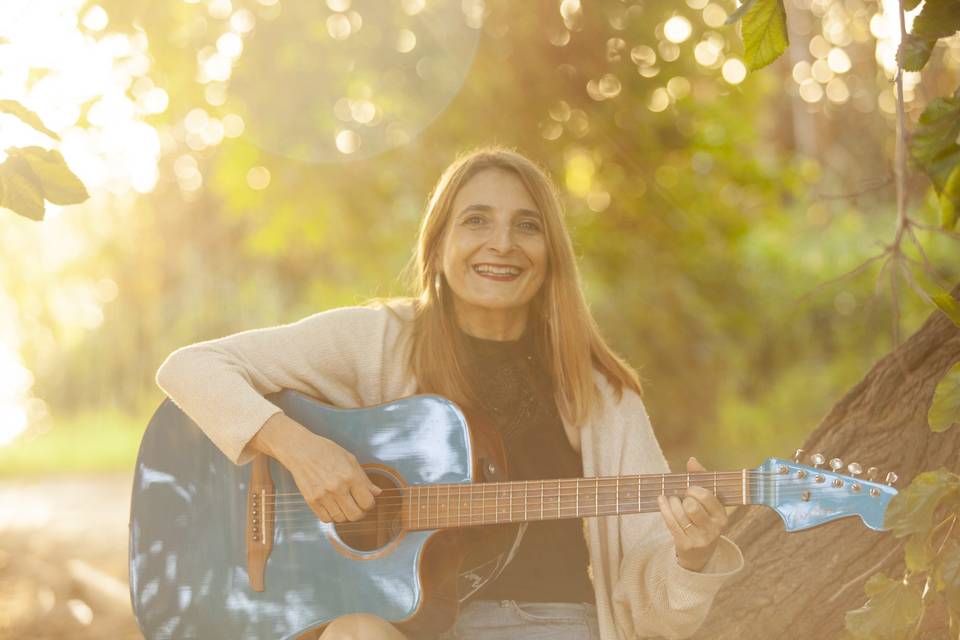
(509, 620)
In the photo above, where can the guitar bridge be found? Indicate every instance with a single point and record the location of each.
(260, 521)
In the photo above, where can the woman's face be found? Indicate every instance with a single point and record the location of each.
(494, 253)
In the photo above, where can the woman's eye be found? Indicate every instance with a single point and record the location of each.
(530, 226)
(473, 220)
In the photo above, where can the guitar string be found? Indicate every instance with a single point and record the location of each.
(305, 515)
(446, 491)
(729, 477)
(438, 522)
(668, 478)
(455, 502)
(518, 496)
(527, 498)
(442, 521)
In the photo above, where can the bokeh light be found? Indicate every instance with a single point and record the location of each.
(677, 29)
(734, 71)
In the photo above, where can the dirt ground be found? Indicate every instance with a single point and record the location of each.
(63, 558)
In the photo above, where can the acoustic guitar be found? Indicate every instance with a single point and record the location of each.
(225, 551)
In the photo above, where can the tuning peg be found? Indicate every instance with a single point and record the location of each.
(855, 469)
(872, 474)
(796, 456)
(836, 464)
(817, 460)
(891, 478)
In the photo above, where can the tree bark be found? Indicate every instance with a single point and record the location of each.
(799, 585)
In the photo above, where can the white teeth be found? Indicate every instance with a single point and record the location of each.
(500, 271)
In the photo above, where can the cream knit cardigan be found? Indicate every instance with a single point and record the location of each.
(355, 356)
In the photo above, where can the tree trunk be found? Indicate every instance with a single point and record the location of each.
(799, 585)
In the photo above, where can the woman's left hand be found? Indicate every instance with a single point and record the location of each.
(695, 522)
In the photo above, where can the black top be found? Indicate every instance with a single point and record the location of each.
(551, 562)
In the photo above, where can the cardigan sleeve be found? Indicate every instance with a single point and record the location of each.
(337, 355)
(653, 596)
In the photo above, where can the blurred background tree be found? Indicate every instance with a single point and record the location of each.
(255, 161)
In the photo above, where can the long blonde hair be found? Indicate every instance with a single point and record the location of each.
(566, 337)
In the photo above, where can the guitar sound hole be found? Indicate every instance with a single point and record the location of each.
(381, 524)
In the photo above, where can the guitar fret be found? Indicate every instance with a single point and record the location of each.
(525, 485)
(596, 497)
(558, 498)
(639, 490)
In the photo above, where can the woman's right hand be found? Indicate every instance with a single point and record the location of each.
(329, 477)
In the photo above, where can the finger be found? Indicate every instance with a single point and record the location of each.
(694, 465)
(676, 506)
(711, 504)
(333, 508)
(363, 497)
(323, 514)
(349, 506)
(671, 520)
(696, 513)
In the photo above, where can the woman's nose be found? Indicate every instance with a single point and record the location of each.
(501, 239)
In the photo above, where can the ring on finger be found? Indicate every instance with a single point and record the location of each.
(686, 526)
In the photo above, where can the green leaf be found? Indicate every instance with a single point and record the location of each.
(889, 614)
(917, 552)
(949, 305)
(938, 19)
(21, 193)
(764, 29)
(914, 53)
(950, 200)
(911, 511)
(742, 9)
(29, 117)
(945, 409)
(946, 575)
(59, 184)
(933, 145)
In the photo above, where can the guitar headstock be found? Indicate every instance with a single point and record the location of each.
(806, 496)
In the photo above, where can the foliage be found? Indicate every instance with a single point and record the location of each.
(764, 32)
(891, 612)
(933, 146)
(703, 233)
(935, 150)
(945, 409)
(31, 175)
(926, 514)
(895, 608)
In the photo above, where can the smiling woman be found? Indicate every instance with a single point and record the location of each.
(500, 326)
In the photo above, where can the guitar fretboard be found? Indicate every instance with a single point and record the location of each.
(438, 506)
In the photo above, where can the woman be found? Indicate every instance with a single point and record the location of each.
(499, 325)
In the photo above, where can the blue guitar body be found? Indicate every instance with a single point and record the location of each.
(188, 544)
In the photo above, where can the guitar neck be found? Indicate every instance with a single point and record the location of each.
(438, 506)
